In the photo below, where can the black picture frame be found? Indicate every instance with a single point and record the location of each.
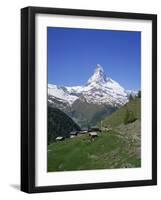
(28, 98)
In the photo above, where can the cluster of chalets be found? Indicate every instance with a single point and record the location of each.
(92, 133)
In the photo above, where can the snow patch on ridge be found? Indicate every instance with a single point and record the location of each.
(61, 93)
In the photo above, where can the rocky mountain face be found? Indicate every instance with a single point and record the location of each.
(101, 94)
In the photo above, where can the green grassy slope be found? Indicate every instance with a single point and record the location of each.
(110, 150)
(118, 148)
(118, 117)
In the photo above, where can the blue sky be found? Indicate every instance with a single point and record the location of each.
(73, 55)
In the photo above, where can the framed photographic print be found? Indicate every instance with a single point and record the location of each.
(88, 99)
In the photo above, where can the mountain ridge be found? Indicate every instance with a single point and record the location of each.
(99, 89)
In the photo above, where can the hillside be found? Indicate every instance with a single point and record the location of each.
(119, 147)
(85, 113)
(117, 118)
(109, 151)
(59, 124)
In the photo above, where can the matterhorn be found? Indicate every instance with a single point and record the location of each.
(99, 89)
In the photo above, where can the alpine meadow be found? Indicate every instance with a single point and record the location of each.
(94, 110)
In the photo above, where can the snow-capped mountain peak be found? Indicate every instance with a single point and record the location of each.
(98, 76)
(99, 89)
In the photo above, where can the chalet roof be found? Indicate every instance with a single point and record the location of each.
(83, 131)
(73, 132)
(72, 136)
(93, 133)
(59, 138)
